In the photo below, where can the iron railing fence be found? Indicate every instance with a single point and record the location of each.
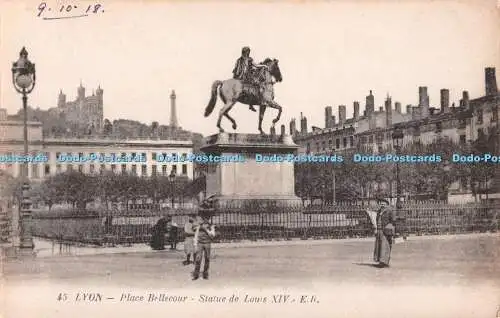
(241, 221)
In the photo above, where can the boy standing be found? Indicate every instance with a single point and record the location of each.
(189, 240)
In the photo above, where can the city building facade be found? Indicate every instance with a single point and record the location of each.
(464, 123)
(147, 153)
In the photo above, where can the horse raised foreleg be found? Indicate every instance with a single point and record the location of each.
(277, 106)
(223, 112)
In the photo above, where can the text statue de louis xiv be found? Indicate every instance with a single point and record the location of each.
(252, 84)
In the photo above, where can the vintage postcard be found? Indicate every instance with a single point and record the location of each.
(249, 158)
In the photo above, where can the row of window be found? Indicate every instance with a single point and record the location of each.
(154, 155)
(345, 143)
(371, 139)
(479, 116)
(155, 169)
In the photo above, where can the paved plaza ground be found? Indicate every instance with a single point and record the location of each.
(439, 276)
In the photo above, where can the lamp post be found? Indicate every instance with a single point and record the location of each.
(333, 179)
(446, 170)
(397, 139)
(24, 79)
(171, 178)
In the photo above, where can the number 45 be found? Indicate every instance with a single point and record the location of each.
(62, 297)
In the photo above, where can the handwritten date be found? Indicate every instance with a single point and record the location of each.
(67, 11)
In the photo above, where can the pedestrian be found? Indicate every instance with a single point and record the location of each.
(189, 229)
(384, 223)
(172, 229)
(158, 234)
(204, 233)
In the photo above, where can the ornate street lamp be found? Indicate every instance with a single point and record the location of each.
(24, 79)
(171, 178)
(397, 140)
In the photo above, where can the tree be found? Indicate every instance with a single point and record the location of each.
(76, 187)
(483, 172)
(154, 129)
(108, 127)
(131, 188)
(109, 185)
(47, 192)
(13, 190)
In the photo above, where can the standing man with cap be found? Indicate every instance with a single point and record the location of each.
(384, 221)
(204, 234)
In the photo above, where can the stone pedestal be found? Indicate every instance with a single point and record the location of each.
(242, 176)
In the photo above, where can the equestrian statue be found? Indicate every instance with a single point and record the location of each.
(252, 84)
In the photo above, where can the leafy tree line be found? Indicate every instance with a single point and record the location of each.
(354, 181)
(79, 189)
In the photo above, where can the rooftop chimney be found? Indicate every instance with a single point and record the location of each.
(303, 124)
(328, 116)
(423, 101)
(356, 111)
(370, 104)
(416, 112)
(282, 131)
(334, 120)
(465, 100)
(445, 100)
(293, 128)
(388, 111)
(490, 81)
(397, 105)
(409, 109)
(342, 114)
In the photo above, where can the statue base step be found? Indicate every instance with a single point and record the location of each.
(241, 200)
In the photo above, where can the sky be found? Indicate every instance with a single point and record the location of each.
(330, 53)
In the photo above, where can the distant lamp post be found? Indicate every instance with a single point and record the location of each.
(24, 79)
(172, 178)
(447, 170)
(397, 140)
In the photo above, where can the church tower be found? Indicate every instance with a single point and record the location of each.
(173, 111)
(61, 100)
(81, 92)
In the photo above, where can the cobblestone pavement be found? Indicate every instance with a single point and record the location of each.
(455, 276)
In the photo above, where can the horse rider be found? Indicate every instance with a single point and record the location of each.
(243, 70)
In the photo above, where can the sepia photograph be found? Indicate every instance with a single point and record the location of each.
(249, 158)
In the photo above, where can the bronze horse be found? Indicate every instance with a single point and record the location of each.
(232, 91)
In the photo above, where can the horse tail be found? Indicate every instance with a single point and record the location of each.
(213, 98)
